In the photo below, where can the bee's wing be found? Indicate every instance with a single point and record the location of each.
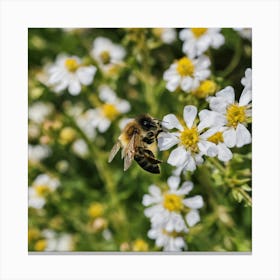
(130, 151)
(114, 151)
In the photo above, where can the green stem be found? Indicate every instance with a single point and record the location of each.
(234, 61)
(217, 164)
(246, 197)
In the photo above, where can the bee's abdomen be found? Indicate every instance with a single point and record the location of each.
(147, 161)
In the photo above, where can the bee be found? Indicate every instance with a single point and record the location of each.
(138, 141)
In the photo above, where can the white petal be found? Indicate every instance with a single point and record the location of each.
(210, 119)
(186, 187)
(224, 153)
(243, 136)
(190, 164)
(194, 202)
(104, 125)
(192, 217)
(166, 141)
(230, 137)
(189, 115)
(106, 94)
(245, 97)
(217, 40)
(173, 182)
(123, 106)
(155, 191)
(202, 63)
(177, 157)
(170, 121)
(208, 148)
(227, 93)
(186, 84)
(74, 87)
(173, 83)
(86, 74)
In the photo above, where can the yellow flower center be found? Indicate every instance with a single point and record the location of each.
(205, 88)
(33, 234)
(172, 202)
(216, 138)
(95, 210)
(185, 67)
(110, 111)
(71, 64)
(235, 114)
(171, 233)
(105, 57)
(42, 190)
(189, 138)
(140, 246)
(40, 245)
(197, 32)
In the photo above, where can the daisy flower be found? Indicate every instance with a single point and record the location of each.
(68, 72)
(39, 111)
(229, 115)
(42, 185)
(198, 40)
(187, 73)
(36, 153)
(166, 209)
(109, 110)
(192, 144)
(169, 241)
(106, 53)
(80, 148)
(167, 35)
(85, 122)
(245, 33)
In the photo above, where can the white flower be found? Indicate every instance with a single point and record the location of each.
(171, 242)
(198, 40)
(245, 33)
(215, 135)
(38, 152)
(187, 73)
(80, 148)
(167, 35)
(39, 111)
(42, 185)
(110, 110)
(57, 242)
(106, 53)
(192, 144)
(165, 208)
(230, 115)
(68, 72)
(85, 121)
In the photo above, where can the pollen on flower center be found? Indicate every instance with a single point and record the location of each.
(110, 111)
(71, 64)
(197, 32)
(216, 138)
(42, 190)
(185, 67)
(105, 57)
(172, 202)
(189, 138)
(235, 114)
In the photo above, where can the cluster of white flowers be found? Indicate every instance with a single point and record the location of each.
(191, 70)
(54, 242)
(218, 129)
(171, 213)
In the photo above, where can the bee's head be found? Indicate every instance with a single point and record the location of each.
(147, 122)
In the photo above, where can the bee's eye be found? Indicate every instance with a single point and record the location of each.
(147, 125)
